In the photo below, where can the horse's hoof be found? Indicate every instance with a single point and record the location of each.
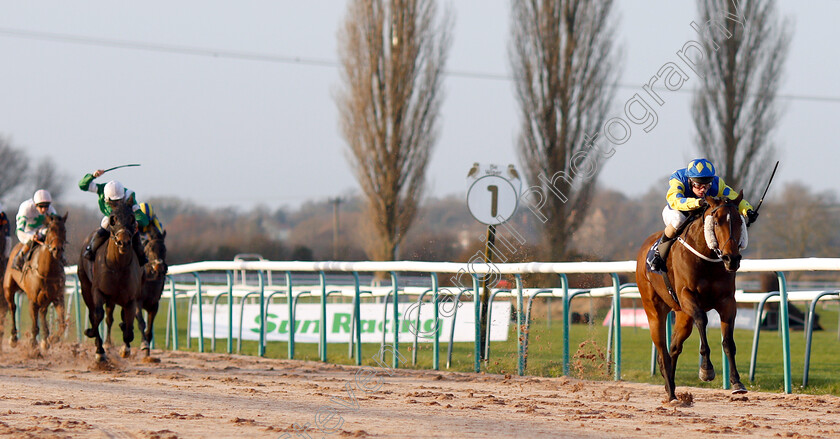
(13, 342)
(707, 374)
(44, 345)
(125, 352)
(101, 358)
(738, 389)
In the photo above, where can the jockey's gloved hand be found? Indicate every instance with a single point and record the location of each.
(701, 203)
(751, 216)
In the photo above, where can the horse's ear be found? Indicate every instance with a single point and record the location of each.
(740, 197)
(164, 234)
(111, 220)
(66, 214)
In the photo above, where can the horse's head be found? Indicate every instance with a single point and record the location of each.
(123, 226)
(55, 236)
(155, 250)
(722, 227)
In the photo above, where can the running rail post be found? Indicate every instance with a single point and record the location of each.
(783, 307)
(173, 307)
(200, 313)
(261, 349)
(396, 321)
(77, 308)
(322, 333)
(617, 324)
(564, 282)
(477, 303)
(519, 322)
(229, 274)
(358, 323)
(436, 341)
(809, 330)
(290, 303)
(757, 331)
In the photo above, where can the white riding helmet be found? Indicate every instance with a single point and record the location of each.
(114, 191)
(42, 196)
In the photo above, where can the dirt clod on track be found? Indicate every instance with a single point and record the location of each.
(187, 395)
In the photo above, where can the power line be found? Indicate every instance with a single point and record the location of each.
(254, 56)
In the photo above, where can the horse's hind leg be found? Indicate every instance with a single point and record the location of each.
(127, 325)
(658, 321)
(727, 326)
(150, 329)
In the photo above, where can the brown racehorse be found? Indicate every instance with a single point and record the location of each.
(113, 278)
(42, 279)
(702, 282)
(4, 307)
(153, 281)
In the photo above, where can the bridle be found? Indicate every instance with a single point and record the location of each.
(730, 206)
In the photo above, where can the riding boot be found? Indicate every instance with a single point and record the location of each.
(657, 264)
(21, 256)
(95, 242)
(138, 249)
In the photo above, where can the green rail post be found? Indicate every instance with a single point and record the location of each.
(617, 324)
(396, 321)
(174, 313)
(229, 274)
(520, 317)
(477, 302)
(290, 303)
(200, 313)
(564, 282)
(436, 347)
(77, 308)
(783, 308)
(358, 323)
(261, 349)
(322, 332)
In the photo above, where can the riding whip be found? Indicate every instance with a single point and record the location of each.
(120, 166)
(768, 186)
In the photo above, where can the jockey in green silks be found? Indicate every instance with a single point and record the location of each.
(109, 193)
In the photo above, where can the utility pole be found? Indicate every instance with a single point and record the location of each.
(335, 202)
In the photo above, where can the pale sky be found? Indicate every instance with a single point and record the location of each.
(232, 103)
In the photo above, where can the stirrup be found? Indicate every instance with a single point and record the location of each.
(656, 264)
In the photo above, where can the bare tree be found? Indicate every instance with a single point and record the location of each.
(735, 108)
(392, 53)
(47, 176)
(565, 68)
(13, 166)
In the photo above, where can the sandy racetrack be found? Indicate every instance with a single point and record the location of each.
(216, 395)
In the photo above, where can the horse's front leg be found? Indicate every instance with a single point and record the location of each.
(34, 315)
(727, 313)
(45, 327)
(95, 315)
(127, 326)
(62, 319)
(141, 326)
(10, 300)
(109, 321)
(707, 370)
